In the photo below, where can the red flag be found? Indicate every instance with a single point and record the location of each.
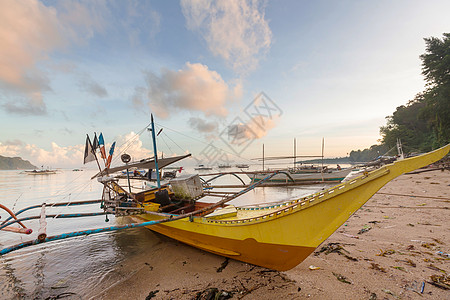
(111, 152)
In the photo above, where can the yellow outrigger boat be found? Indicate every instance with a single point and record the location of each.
(277, 237)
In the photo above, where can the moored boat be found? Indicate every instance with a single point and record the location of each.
(202, 168)
(242, 166)
(41, 172)
(224, 166)
(303, 175)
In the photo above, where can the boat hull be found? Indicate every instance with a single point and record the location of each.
(273, 256)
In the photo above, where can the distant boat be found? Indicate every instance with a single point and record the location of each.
(77, 170)
(41, 172)
(224, 166)
(242, 166)
(303, 175)
(202, 167)
(174, 168)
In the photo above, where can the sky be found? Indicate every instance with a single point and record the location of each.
(222, 78)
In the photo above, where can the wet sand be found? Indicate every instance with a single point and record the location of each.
(387, 250)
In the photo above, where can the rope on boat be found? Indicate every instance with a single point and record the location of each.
(133, 225)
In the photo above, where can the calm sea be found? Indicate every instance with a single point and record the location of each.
(81, 265)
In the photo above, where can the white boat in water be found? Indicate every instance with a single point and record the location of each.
(302, 175)
(41, 172)
(224, 166)
(202, 167)
(242, 166)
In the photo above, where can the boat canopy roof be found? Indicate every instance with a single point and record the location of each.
(148, 163)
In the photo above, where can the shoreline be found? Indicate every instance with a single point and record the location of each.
(388, 249)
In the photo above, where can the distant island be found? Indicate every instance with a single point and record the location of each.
(15, 163)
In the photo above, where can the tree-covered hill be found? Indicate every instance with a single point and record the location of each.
(423, 123)
(15, 163)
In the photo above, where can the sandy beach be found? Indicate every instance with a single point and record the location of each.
(389, 249)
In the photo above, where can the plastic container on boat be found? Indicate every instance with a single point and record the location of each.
(187, 187)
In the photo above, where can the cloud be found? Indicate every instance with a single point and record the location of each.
(138, 98)
(255, 128)
(131, 144)
(202, 125)
(30, 31)
(235, 30)
(15, 142)
(72, 156)
(56, 157)
(195, 88)
(80, 21)
(31, 105)
(89, 85)
(142, 22)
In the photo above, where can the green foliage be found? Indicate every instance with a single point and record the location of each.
(436, 69)
(409, 125)
(369, 154)
(422, 124)
(436, 60)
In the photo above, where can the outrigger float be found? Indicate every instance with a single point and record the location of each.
(277, 236)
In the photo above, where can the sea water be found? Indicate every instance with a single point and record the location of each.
(82, 266)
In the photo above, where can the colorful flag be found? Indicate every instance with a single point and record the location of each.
(111, 151)
(101, 144)
(95, 142)
(89, 154)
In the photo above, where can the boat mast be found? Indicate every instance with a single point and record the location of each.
(400, 149)
(155, 153)
(295, 150)
(263, 158)
(321, 169)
